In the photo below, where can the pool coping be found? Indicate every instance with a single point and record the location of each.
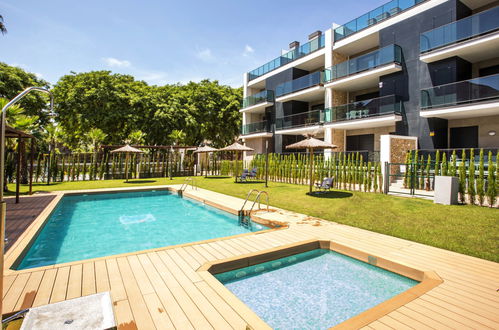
(428, 279)
(18, 250)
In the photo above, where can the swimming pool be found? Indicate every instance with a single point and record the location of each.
(316, 289)
(97, 225)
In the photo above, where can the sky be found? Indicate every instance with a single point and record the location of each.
(162, 41)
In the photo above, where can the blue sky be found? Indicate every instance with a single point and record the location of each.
(162, 41)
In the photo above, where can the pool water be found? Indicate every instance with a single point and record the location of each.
(97, 225)
(317, 289)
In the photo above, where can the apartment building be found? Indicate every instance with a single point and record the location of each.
(422, 68)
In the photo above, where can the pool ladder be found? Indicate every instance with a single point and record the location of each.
(185, 185)
(245, 215)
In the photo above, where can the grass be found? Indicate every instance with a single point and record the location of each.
(466, 229)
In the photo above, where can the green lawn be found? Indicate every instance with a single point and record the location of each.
(466, 229)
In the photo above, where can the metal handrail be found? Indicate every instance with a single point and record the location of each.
(247, 198)
(258, 199)
(186, 182)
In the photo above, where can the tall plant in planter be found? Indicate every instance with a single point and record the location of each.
(453, 164)
(445, 165)
(491, 182)
(480, 183)
(437, 163)
(408, 160)
(471, 178)
(427, 174)
(462, 179)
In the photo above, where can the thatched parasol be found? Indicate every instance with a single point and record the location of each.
(236, 147)
(310, 144)
(127, 150)
(205, 149)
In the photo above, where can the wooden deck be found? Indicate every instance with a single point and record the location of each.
(21, 215)
(161, 289)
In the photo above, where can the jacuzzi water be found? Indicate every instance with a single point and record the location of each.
(97, 225)
(312, 290)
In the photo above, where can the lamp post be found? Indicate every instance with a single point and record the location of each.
(3, 207)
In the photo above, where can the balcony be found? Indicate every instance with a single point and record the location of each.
(463, 99)
(474, 38)
(374, 17)
(377, 112)
(256, 129)
(306, 88)
(303, 50)
(300, 123)
(364, 71)
(258, 102)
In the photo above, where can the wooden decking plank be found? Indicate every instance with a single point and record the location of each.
(378, 325)
(221, 305)
(196, 255)
(240, 250)
(459, 314)
(158, 313)
(467, 297)
(45, 289)
(139, 273)
(195, 316)
(204, 305)
(124, 316)
(226, 247)
(193, 263)
(420, 317)
(203, 252)
(415, 324)
(394, 324)
(60, 285)
(427, 309)
(173, 309)
(188, 270)
(28, 295)
(88, 285)
(10, 300)
(7, 282)
(118, 291)
(474, 306)
(75, 282)
(141, 314)
(101, 277)
(213, 251)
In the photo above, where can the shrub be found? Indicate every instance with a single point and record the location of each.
(480, 183)
(491, 182)
(462, 179)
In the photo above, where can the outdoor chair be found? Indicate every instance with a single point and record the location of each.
(244, 175)
(325, 185)
(252, 174)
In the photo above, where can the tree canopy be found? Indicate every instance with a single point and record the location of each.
(120, 108)
(119, 105)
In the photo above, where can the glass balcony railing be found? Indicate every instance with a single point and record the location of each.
(466, 28)
(308, 118)
(364, 109)
(461, 92)
(298, 84)
(263, 96)
(382, 56)
(374, 17)
(257, 127)
(290, 56)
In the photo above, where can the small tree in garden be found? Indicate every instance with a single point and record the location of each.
(407, 178)
(471, 178)
(427, 174)
(437, 163)
(480, 183)
(422, 172)
(445, 165)
(453, 164)
(380, 178)
(462, 179)
(491, 180)
(375, 177)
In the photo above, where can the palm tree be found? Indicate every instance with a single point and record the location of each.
(96, 136)
(3, 29)
(136, 137)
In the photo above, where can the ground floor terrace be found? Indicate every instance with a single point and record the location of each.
(163, 288)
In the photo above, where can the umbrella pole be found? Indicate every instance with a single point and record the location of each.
(311, 150)
(126, 167)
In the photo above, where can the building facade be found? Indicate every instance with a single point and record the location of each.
(422, 68)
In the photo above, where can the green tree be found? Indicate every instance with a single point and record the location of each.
(136, 137)
(95, 137)
(491, 181)
(14, 80)
(471, 178)
(462, 178)
(480, 183)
